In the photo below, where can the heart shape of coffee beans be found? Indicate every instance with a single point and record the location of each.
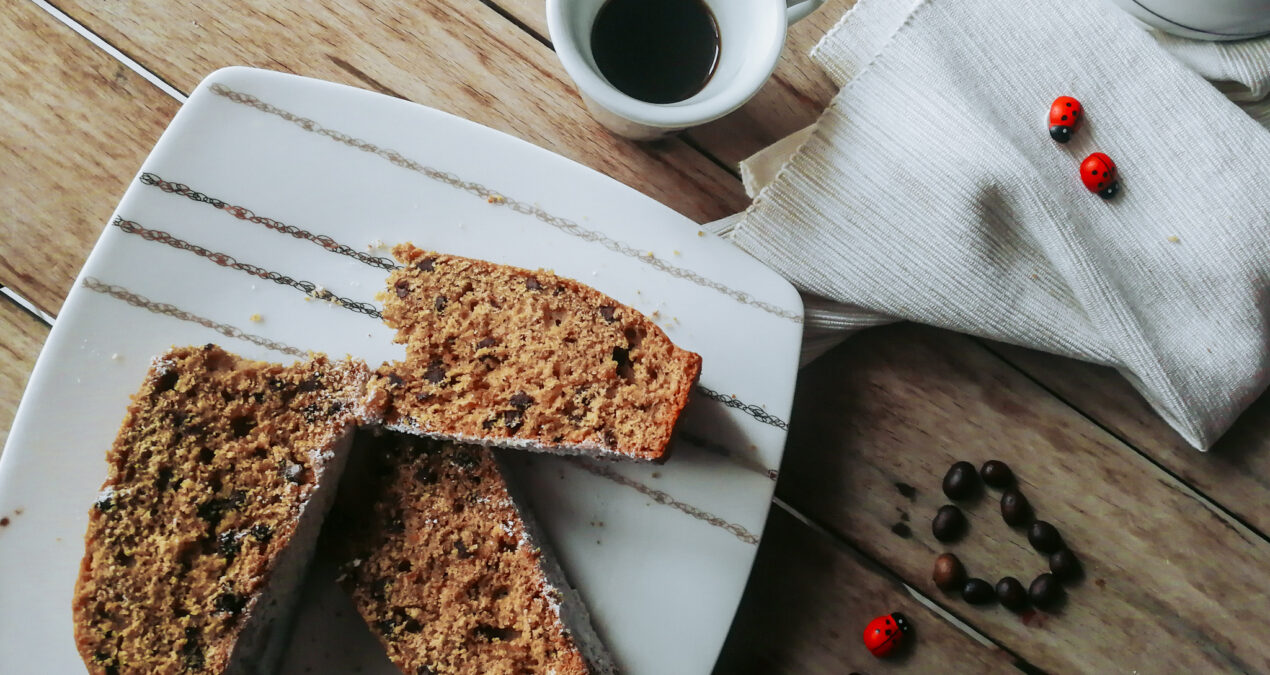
(963, 482)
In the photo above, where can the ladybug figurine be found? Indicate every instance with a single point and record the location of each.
(1065, 114)
(1098, 173)
(886, 633)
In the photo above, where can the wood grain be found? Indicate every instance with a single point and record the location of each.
(77, 126)
(461, 57)
(21, 337)
(808, 602)
(1171, 585)
(1235, 473)
(792, 99)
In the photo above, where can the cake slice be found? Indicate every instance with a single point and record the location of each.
(218, 482)
(448, 570)
(504, 356)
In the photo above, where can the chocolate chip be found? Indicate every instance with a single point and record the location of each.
(1045, 591)
(1065, 565)
(228, 544)
(521, 400)
(166, 382)
(435, 372)
(440, 303)
(404, 566)
(277, 384)
(607, 311)
(386, 626)
(403, 288)
(949, 523)
(423, 397)
(485, 343)
(949, 573)
(1044, 537)
(412, 625)
(312, 412)
(513, 419)
(1011, 594)
(379, 589)
(996, 474)
(1015, 509)
(977, 592)
(311, 383)
(395, 380)
(461, 549)
(105, 502)
(231, 603)
(492, 633)
(262, 533)
(294, 473)
(558, 290)
(532, 284)
(961, 481)
(205, 455)
(426, 265)
(192, 651)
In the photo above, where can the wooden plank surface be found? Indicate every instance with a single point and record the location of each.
(808, 602)
(77, 124)
(1235, 473)
(21, 337)
(1172, 584)
(460, 57)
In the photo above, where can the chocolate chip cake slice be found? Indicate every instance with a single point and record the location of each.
(504, 356)
(448, 570)
(218, 482)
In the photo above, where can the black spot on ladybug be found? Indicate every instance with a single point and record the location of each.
(1069, 104)
(1101, 183)
(1064, 118)
(1093, 172)
(888, 631)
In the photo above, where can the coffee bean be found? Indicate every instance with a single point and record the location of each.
(977, 592)
(1014, 508)
(949, 573)
(1011, 594)
(961, 481)
(1065, 565)
(1045, 591)
(1044, 537)
(949, 523)
(996, 474)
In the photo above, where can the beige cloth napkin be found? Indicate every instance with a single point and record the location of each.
(930, 191)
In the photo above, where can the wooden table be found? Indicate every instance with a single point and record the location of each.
(1173, 541)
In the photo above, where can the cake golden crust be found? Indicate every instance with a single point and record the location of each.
(511, 357)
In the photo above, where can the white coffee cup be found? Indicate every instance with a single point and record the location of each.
(751, 36)
(1206, 20)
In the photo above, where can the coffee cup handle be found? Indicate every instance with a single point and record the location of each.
(799, 10)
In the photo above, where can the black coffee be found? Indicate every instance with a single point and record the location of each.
(659, 51)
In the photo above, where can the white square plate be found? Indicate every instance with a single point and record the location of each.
(255, 224)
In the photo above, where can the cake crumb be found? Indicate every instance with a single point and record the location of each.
(701, 233)
(496, 199)
(256, 318)
(115, 356)
(1174, 239)
(675, 251)
(375, 244)
(656, 474)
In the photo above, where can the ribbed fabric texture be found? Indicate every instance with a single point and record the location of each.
(930, 190)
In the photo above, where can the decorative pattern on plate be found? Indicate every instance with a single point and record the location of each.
(494, 197)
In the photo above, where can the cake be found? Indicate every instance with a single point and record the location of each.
(218, 481)
(505, 356)
(446, 568)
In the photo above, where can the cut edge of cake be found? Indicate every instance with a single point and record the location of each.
(571, 609)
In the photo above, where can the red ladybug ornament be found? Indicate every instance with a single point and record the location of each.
(886, 633)
(1098, 173)
(1065, 115)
